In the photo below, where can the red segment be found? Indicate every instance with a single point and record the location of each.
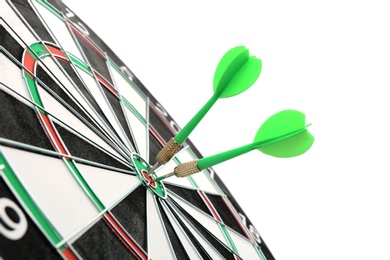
(68, 254)
(53, 134)
(149, 179)
(106, 84)
(29, 63)
(56, 51)
(209, 206)
(126, 239)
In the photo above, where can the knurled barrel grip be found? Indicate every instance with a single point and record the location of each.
(186, 169)
(168, 151)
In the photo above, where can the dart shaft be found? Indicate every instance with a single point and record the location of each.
(190, 126)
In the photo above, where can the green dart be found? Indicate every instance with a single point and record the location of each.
(235, 73)
(282, 135)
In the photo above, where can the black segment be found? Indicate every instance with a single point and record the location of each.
(20, 123)
(94, 57)
(11, 45)
(154, 148)
(192, 196)
(84, 150)
(214, 241)
(32, 245)
(178, 248)
(118, 111)
(99, 242)
(32, 19)
(131, 214)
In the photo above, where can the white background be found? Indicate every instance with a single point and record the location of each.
(329, 59)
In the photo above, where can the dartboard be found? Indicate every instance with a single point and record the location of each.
(78, 133)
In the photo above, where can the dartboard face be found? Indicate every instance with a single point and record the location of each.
(78, 134)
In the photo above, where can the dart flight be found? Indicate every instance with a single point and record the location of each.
(282, 135)
(236, 72)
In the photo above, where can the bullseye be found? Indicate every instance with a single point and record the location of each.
(142, 168)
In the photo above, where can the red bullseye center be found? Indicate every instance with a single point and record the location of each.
(149, 179)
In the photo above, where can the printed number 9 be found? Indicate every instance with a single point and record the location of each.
(8, 227)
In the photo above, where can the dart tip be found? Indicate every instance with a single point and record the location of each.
(154, 167)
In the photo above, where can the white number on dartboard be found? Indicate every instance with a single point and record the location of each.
(10, 228)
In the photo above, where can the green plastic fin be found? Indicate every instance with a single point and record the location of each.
(280, 124)
(236, 72)
(289, 147)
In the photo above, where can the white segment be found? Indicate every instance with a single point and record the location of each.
(205, 244)
(139, 132)
(245, 248)
(109, 186)
(168, 168)
(204, 182)
(101, 100)
(128, 91)
(11, 75)
(206, 220)
(53, 188)
(9, 15)
(158, 242)
(59, 29)
(56, 109)
(189, 248)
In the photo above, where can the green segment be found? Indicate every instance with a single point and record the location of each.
(141, 165)
(288, 141)
(29, 203)
(50, 8)
(228, 238)
(79, 63)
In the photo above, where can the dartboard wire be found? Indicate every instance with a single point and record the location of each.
(31, 148)
(184, 222)
(147, 129)
(120, 99)
(172, 218)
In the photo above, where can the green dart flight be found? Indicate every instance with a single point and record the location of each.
(236, 72)
(282, 135)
